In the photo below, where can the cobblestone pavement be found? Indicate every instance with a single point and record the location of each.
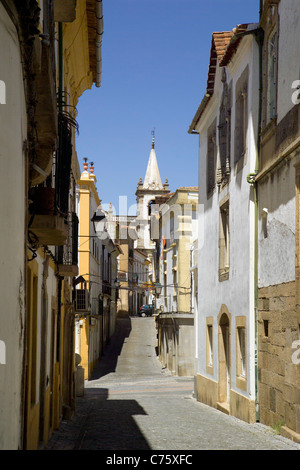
(132, 403)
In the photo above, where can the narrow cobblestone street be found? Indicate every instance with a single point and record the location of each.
(131, 403)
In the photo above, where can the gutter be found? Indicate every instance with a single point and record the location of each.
(99, 32)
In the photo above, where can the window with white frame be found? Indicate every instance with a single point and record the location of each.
(209, 345)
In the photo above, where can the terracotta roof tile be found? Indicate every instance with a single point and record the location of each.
(221, 41)
(233, 44)
(223, 46)
(189, 188)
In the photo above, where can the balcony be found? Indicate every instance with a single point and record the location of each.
(68, 255)
(46, 224)
(45, 115)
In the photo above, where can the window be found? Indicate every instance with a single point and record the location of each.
(165, 291)
(211, 160)
(224, 242)
(266, 328)
(272, 76)
(149, 207)
(209, 345)
(241, 116)
(172, 233)
(242, 351)
(224, 129)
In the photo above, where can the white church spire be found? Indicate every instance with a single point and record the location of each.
(152, 177)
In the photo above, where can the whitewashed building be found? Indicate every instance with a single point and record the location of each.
(226, 122)
(176, 232)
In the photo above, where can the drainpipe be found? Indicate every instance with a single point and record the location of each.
(251, 178)
(99, 16)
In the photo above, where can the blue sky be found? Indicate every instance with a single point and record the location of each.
(155, 57)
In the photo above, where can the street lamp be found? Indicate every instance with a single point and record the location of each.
(158, 289)
(98, 220)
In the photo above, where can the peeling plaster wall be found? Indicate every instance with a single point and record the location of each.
(276, 229)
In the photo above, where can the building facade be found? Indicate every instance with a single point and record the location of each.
(226, 122)
(46, 69)
(142, 288)
(277, 185)
(121, 229)
(177, 228)
(13, 163)
(95, 292)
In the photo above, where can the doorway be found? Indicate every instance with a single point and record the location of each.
(224, 360)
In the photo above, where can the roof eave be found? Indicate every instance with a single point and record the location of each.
(200, 110)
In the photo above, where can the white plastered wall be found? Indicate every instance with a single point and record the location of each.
(237, 292)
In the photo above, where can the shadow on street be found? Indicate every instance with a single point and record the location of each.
(108, 361)
(110, 424)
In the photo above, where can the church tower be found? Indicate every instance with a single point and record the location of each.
(146, 193)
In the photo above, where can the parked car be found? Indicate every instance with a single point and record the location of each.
(146, 310)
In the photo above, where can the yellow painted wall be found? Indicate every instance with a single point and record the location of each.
(87, 189)
(84, 347)
(78, 77)
(32, 406)
(47, 424)
(56, 396)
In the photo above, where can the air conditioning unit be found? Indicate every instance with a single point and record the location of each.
(82, 300)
